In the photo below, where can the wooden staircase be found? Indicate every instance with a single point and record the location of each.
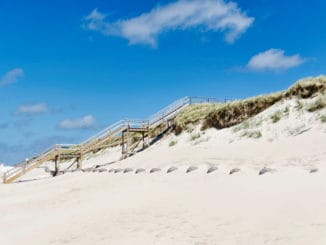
(101, 140)
(49, 155)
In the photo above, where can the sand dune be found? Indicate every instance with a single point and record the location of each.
(260, 182)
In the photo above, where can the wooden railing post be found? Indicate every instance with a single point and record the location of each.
(57, 160)
(5, 177)
(80, 159)
(123, 143)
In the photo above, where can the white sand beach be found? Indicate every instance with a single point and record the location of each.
(285, 205)
(163, 122)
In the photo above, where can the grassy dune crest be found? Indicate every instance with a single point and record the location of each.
(226, 115)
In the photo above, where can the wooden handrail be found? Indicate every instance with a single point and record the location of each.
(113, 130)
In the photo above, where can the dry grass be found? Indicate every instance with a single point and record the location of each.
(238, 111)
(307, 88)
(135, 137)
(193, 114)
(154, 132)
(226, 115)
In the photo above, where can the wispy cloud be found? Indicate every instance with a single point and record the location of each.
(274, 60)
(11, 76)
(80, 123)
(32, 109)
(208, 15)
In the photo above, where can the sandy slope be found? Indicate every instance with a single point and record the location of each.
(281, 208)
(286, 206)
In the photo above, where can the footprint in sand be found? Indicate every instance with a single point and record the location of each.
(266, 170)
(234, 170)
(211, 169)
(118, 170)
(127, 170)
(313, 170)
(191, 168)
(153, 170)
(172, 169)
(140, 170)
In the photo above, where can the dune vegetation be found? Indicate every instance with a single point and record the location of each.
(226, 115)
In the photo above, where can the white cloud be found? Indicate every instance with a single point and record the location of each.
(11, 76)
(274, 60)
(81, 123)
(31, 109)
(208, 15)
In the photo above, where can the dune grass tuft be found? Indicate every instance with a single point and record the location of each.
(194, 136)
(245, 125)
(323, 118)
(173, 143)
(276, 116)
(252, 134)
(317, 105)
(286, 110)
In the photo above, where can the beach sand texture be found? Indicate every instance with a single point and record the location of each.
(166, 194)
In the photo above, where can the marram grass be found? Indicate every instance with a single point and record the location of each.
(226, 115)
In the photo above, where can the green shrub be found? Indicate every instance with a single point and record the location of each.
(252, 134)
(194, 136)
(323, 118)
(201, 140)
(173, 142)
(246, 125)
(276, 116)
(287, 110)
(236, 129)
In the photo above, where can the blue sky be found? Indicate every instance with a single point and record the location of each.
(68, 68)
